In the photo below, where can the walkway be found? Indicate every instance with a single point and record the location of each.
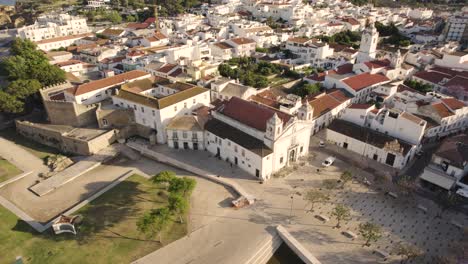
(20, 157)
(280, 201)
(215, 173)
(74, 171)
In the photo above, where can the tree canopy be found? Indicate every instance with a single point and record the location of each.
(306, 88)
(27, 70)
(422, 87)
(248, 72)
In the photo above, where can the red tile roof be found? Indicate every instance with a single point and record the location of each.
(432, 76)
(242, 41)
(150, 20)
(442, 110)
(138, 25)
(344, 69)
(376, 64)
(251, 114)
(360, 106)
(107, 82)
(453, 103)
(167, 68)
(364, 80)
(351, 21)
(457, 82)
(323, 104)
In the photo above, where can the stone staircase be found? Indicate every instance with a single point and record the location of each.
(266, 250)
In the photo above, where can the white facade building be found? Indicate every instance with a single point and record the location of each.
(257, 138)
(96, 91)
(156, 100)
(368, 46)
(370, 143)
(54, 26)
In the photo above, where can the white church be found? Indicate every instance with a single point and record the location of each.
(259, 139)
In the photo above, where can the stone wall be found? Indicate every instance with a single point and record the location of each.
(116, 118)
(70, 114)
(56, 136)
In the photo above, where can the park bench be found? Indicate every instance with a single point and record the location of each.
(322, 218)
(392, 194)
(457, 224)
(422, 208)
(381, 253)
(349, 234)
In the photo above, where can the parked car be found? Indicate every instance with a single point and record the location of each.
(322, 144)
(328, 161)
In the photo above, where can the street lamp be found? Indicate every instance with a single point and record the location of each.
(292, 203)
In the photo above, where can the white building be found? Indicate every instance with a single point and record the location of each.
(292, 11)
(95, 4)
(54, 26)
(61, 42)
(259, 139)
(420, 13)
(368, 46)
(446, 81)
(224, 89)
(359, 86)
(449, 165)
(96, 91)
(309, 51)
(457, 28)
(156, 100)
(327, 107)
(370, 143)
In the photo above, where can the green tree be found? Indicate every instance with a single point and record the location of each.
(178, 205)
(10, 104)
(313, 196)
(422, 87)
(164, 177)
(341, 213)
(114, 17)
(131, 18)
(408, 252)
(345, 177)
(370, 232)
(183, 186)
(154, 222)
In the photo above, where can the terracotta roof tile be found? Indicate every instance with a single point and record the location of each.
(453, 103)
(108, 82)
(251, 114)
(364, 80)
(376, 64)
(323, 104)
(242, 41)
(442, 110)
(360, 106)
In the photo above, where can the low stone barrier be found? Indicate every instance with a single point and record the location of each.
(297, 247)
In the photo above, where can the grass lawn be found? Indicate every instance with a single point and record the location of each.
(108, 233)
(39, 150)
(7, 170)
